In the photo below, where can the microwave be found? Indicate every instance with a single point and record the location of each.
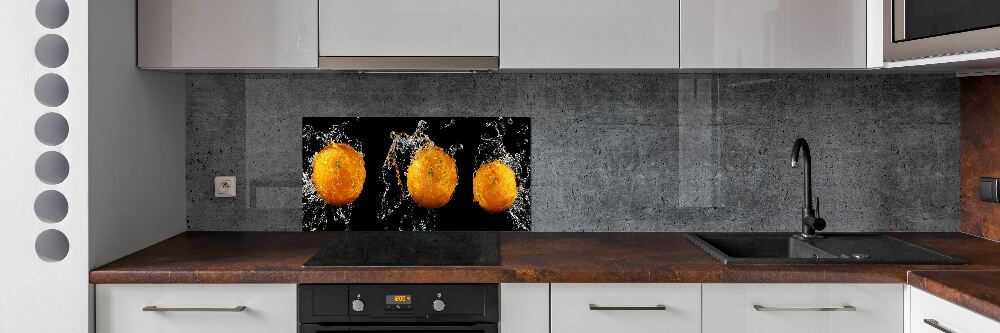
(915, 29)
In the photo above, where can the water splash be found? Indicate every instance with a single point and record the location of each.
(450, 123)
(453, 149)
(398, 210)
(316, 213)
(492, 147)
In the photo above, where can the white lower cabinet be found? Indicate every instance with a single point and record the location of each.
(819, 308)
(626, 307)
(196, 308)
(930, 314)
(524, 308)
(569, 308)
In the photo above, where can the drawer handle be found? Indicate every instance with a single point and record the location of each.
(154, 308)
(935, 324)
(595, 307)
(759, 307)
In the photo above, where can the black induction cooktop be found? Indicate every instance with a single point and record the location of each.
(406, 248)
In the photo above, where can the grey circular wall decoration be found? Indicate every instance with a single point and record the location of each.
(51, 50)
(52, 167)
(52, 13)
(51, 129)
(51, 90)
(52, 245)
(51, 206)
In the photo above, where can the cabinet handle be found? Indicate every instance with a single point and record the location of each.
(935, 324)
(595, 307)
(154, 308)
(759, 307)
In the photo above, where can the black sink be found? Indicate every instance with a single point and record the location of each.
(837, 248)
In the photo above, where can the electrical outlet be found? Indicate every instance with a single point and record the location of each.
(225, 187)
(988, 189)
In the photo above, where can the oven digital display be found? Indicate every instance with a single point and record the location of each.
(398, 299)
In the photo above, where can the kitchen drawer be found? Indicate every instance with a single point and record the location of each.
(948, 316)
(634, 308)
(779, 307)
(270, 308)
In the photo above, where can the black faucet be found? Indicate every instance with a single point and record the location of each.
(810, 221)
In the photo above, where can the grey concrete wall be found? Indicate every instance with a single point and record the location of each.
(615, 152)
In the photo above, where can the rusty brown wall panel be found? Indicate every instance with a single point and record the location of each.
(980, 151)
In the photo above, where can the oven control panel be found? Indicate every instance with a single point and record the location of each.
(397, 303)
(420, 300)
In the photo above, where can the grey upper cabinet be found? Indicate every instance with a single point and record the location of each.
(223, 34)
(589, 34)
(779, 34)
(407, 28)
(510, 34)
(408, 35)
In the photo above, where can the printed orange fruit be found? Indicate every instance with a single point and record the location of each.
(494, 187)
(338, 174)
(431, 177)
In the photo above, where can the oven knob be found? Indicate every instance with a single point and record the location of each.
(358, 305)
(438, 305)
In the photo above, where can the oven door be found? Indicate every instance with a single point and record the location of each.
(472, 328)
(916, 29)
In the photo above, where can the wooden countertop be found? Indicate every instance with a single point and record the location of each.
(978, 291)
(277, 257)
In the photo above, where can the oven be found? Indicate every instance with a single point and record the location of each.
(916, 29)
(385, 308)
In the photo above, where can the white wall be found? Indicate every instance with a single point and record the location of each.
(124, 187)
(137, 186)
(38, 295)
